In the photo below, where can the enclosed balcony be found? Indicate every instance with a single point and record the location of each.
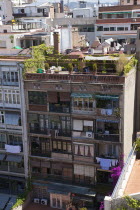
(82, 129)
(83, 103)
(59, 102)
(40, 146)
(107, 130)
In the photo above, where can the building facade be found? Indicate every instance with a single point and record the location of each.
(13, 143)
(78, 126)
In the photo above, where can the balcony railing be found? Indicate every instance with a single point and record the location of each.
(3, 167)
(83, 110)
(18, 15)
(16, 169)
(113, 79)
(51, 177)
(37, 152)
(78, 134)
(38, 130)
(107, 137)
(59, 108)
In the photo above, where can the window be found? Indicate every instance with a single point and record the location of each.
(126, 28)
(39, 98)
(4, 31)
(106, 29)
(15, 140)
(61, 146)
(40, 146)
(2, 117)
(83, 150)
(99, 28)
(11, 96)
(112, 29)
(0, 8)
(128, 1)
(39, 10)
(3, 140)
(9, 77)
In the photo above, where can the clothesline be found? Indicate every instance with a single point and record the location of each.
(106, 163)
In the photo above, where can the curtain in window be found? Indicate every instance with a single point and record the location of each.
(76, 149)
(82, 150)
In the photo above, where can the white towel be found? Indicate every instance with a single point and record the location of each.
(109, 111)
(105, 163)
(113, 162)
(98, 159)
(103, 111)
(12, 149)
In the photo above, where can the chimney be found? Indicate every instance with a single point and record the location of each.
(56, 42)
(61, 6)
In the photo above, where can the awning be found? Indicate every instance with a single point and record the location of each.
(57, 192)
(81, 95)
(2, 156)
(64, 188)
(107, 97)
(14, 158)
(117, 12)
(109, 121)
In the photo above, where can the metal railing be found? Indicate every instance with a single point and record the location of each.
(123, 174)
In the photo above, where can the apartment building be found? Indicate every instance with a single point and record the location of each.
(6, 10)
(78, 127)
(35, 9)
(13, 144)
(118, 22)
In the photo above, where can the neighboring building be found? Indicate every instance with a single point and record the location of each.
(84, 12)
(23, 39)
(79, 125)
(36, 9)
(68, 38)
(6, 10)
(13, 140)
(129, 2)
(118, 22)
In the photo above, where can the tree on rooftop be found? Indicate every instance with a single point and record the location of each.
(38, 58)
(121, 62)
(70, 67)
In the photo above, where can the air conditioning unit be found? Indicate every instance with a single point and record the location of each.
(36, 200)
(44, 201)
(89, 134)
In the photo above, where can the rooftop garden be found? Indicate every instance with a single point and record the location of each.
(44, 61)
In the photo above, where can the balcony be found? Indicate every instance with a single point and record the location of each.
(83, 135)
(62, 156)
(38, 130)
(106, 112)
(37, 152)
(42, 108)
(86, 110)
(3, 167)
(58, 108)
(19, 15)
(11, 127)
(107, 137)
(51, 177)
(16, 169)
